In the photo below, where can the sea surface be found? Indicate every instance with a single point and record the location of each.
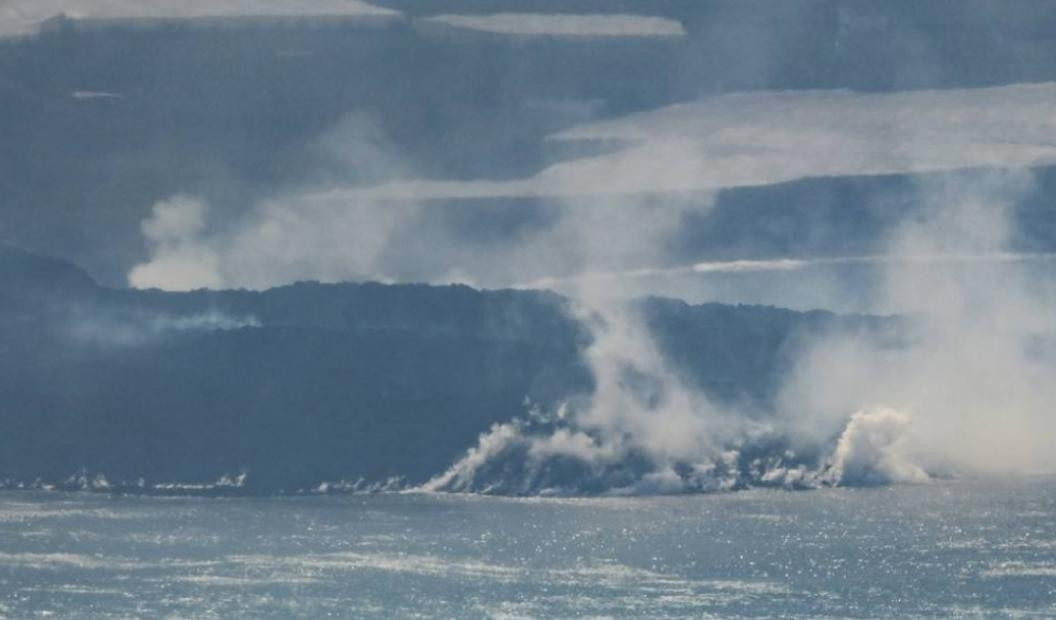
(949, 549)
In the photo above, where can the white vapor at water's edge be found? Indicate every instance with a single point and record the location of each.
(970, 392)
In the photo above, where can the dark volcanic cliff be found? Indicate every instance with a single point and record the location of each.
(309, 383)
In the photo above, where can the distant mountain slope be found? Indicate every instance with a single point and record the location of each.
(25, 272)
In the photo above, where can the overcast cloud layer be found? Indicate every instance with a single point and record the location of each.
(532, 24)
(23, 17)
(748, 139)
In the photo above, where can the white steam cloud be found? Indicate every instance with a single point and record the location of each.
(976, 377)
(876, 448)
(181, 262)
(968, 390)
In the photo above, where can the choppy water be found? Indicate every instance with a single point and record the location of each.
(937, 550)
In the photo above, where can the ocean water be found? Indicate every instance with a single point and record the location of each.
(948, 549)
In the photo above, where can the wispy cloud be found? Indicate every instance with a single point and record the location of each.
(561, 25)
(791, 264)
(94, 94)
(764, 138)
